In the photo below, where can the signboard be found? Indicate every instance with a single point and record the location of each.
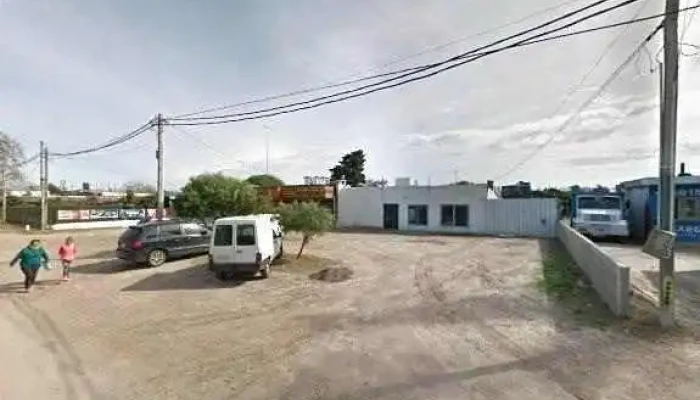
(110, 214)
(297, 193)
(306, 193)
(660, 244)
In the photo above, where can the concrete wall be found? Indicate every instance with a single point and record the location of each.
(610, 278)
(70, 226)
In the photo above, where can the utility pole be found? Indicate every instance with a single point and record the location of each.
(4, 195)
(159, 156)
(667, 159)
(42, 184)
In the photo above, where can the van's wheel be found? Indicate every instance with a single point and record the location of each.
(265, 271)
(157, 257)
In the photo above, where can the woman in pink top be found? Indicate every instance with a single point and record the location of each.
(67, 254)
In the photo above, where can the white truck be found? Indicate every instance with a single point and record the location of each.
(599, 214)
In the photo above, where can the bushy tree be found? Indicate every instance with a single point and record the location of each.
(351, 168)
(216, 196)
(308, 218)
(265, 180)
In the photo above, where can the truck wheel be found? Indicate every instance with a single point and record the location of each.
(265, 271)
(156, 258)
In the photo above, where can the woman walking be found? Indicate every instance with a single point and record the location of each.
(30, 260)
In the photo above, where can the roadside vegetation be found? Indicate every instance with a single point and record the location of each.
(566, 284)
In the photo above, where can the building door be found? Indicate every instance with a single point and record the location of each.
(391, 216)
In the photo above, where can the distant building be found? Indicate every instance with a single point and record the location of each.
(519, 190)
(642, 195)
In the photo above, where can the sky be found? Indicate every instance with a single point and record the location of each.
(76, 73)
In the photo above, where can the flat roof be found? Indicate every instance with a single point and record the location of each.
(652, 181)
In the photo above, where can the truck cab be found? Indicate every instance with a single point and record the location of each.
(599, 214)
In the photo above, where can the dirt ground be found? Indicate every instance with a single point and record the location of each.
(420, 318)
(645, 276)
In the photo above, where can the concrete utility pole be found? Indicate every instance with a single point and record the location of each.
(159, 156)
(4, 195)
(667, 159)
(42, 184)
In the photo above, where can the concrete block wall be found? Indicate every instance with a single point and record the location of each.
(610, 278)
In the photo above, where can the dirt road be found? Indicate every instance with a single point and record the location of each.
(421, 318)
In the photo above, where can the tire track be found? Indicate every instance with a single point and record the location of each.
(70, 366)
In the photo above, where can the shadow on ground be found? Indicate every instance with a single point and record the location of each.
(197, 277)
(111, 266)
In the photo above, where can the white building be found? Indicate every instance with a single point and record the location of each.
(446, 209)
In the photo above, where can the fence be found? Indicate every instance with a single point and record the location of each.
(521, 217)
(610, 278)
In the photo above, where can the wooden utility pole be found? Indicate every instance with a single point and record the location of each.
(42, 184)
(4, 195)
(159, 156)
(667, 159)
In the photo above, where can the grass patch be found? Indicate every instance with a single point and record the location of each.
(564, 282)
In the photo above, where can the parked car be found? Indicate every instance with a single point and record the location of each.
(244, 245)
(153, 243)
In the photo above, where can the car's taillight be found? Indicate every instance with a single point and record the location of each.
(136, 245)
(258, 258)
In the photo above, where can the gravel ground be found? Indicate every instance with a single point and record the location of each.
(420, 318)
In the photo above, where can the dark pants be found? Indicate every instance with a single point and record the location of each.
(29, 276)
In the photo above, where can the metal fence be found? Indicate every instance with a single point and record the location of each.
(521, 217)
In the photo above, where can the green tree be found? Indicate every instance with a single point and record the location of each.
(216, 195)
(129, 198)
(265, 180)
(308, 218)
(351, 168)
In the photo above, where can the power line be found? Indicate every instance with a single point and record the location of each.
(476, 56)
(28, 160)
(586, 104)
(111, 143)
(471, 53)
(351, 79)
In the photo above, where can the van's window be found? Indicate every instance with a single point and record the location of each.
(223, 235)
(245, 235)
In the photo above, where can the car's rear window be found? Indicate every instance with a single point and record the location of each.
(223, 235)
(245, 235)
(131, 233)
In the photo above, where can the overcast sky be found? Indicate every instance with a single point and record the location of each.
(77, 72)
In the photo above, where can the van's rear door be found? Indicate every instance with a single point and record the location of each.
(246, 243)
(222, 249)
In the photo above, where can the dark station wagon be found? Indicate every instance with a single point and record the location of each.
(153, 243)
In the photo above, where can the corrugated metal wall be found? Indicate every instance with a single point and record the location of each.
(636, 214)
(521, 217)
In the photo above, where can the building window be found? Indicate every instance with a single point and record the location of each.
(688, 208)
(454, 215)
(418, 215)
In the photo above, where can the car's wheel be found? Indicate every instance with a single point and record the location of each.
(265, 270)
(157, 257)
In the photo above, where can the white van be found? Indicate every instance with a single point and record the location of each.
(244, 245)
